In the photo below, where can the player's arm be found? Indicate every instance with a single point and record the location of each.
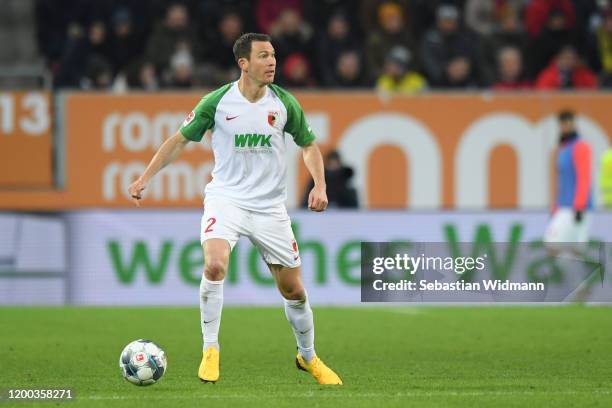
(166, 153)
(582, 162)
(317, 199)
(196, 123)
(304, 137)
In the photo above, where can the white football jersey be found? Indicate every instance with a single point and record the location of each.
(248, 142)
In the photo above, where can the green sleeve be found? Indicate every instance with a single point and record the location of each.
(202, 117)
(296, 121)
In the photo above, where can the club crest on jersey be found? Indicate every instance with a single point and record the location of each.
(189, 118)
(272, 118)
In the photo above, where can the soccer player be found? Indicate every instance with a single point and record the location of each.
(570, 220)
(248, 120)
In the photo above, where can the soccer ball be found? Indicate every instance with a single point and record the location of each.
(143, 362)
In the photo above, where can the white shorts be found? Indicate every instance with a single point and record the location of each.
(270, 232)
(564, 228)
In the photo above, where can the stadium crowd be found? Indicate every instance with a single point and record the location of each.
(400, 45)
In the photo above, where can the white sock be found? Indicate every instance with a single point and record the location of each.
(211, 304)
(299, 314)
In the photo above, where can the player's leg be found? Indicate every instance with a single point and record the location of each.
(558, 234)
(216, 261)
(594, 266)
(566, 240)
(297, 307)
(271, 233)
(220, 231)
(300, 317)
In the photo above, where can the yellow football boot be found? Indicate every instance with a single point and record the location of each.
(209, 367)
(322, 373)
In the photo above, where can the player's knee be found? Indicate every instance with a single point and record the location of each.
(214, 269)
(293, 292)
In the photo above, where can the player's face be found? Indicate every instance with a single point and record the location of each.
(262, 64)
(567, 126)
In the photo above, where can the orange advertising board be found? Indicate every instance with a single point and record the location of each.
(25, 141)
(428, 152)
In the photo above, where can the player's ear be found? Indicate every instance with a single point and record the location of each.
(243, 63)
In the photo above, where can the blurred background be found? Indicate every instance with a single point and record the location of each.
(437, 120)
(124, 45)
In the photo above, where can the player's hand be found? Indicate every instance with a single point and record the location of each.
(317, 199)
(578, 216)
(135, 191)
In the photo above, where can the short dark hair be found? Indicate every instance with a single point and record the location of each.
(242, 46)
(566, 115)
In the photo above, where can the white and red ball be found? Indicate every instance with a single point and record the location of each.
(143, 362)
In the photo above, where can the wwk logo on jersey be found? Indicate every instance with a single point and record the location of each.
(251, 140)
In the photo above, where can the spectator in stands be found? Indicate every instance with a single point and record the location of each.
(291, 34)
(601, 48)
(166, 37)
(399, 74)
(392, 32)
(268, 12)
(125, 44)
(79, 49)
(320, 12)
(220, 66)
(297, 72)
(566, 71)
(98, 40)
(369, 14)
(448, 53)
(508, 32)
(479, 16)
(337, 40)
(510, 74)
(349, 72)
(99, 74)
(549, 41)
(483, 16)
(68, 71)
(340, 193)
(55, 19)
(460, 73)
(181, 69)
(141, 75)
(210, 13)
(537, 14)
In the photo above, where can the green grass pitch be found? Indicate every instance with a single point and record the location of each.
(387, 356)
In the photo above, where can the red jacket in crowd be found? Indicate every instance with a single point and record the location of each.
(581, 77)
(537, 13)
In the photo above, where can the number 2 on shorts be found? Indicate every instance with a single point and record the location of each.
(211, 221)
